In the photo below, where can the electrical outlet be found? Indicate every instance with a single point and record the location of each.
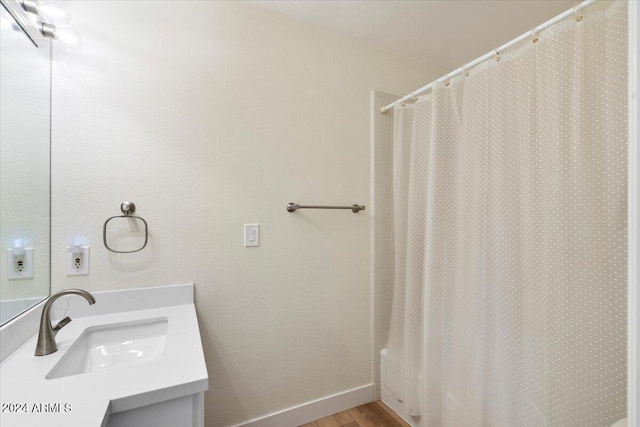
(77, 260)
(20, 266)
(18, 263)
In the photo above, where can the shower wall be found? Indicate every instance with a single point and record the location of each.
(382, 225)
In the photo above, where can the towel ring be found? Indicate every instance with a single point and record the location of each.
(128, 209)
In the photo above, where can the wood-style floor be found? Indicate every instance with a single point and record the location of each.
(375, 414)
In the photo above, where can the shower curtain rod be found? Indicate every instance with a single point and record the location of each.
(491, 54)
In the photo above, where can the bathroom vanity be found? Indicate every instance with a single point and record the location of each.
(133, 358)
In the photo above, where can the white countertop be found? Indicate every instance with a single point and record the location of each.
(93, 396)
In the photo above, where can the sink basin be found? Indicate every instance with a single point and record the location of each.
(115, 345)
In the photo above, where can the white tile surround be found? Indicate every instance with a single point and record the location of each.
(382, 226)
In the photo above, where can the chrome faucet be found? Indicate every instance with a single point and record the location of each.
(47, 337)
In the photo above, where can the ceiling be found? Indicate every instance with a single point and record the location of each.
(447, 33)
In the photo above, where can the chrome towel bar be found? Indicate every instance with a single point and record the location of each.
(292, 207)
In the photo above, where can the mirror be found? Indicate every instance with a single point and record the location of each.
(25, 96)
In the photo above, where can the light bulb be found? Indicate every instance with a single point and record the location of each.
(68, 37)
(76, 242)
(53, 13)
(18, 247)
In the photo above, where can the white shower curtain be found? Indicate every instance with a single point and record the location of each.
(510, 236)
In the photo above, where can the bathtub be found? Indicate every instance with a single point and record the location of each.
(398, 407)
(389, 399)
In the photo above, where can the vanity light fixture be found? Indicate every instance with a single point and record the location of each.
(65, 35)
(48, 11)
(52, 21)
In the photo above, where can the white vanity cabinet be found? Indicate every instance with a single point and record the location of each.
(132, 359)
(185, 411)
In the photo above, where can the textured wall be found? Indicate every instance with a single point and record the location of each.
(209, 115)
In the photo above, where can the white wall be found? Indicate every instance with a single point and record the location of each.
(209, 115)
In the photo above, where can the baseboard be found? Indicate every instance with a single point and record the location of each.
(315, 409)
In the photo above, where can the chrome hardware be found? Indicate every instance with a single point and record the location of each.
(17, 9)
(292, 207)
(48, 30)
(47, 335)
(127, 209)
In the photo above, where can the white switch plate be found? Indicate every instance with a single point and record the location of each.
(71, 262)
(27, 272)
(251, 235)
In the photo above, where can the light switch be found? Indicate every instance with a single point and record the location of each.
(251, 235)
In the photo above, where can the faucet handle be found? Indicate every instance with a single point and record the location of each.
(61, 324)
